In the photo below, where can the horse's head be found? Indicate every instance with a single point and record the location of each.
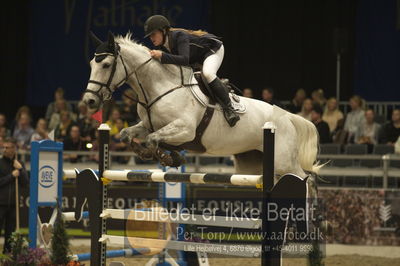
(107, 74)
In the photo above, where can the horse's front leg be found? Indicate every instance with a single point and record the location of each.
(175, 133)
(131, 134)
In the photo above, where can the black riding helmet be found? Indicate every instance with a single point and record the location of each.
(156, 22)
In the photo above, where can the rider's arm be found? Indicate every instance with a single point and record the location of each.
(182, 58)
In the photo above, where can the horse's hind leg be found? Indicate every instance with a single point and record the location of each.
(286, 149)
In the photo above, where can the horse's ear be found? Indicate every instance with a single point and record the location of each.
(96, 41)
(111, 42)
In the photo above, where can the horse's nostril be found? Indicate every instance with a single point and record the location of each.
(91, 102)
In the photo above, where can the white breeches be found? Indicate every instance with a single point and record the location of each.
(212, 64)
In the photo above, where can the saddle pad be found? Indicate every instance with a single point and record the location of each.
(237, 105)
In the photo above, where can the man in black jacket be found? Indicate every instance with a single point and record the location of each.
(322, 126)
(10, 169)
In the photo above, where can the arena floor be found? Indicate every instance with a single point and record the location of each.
(343, 255)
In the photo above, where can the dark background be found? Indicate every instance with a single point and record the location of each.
(279, 43)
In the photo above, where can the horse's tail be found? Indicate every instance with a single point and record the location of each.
(308, 139)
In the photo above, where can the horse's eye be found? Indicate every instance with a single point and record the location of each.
(106, 65)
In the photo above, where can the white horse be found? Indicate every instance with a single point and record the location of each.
(174, 117)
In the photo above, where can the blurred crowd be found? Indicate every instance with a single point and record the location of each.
(72, 125)
(354, 215)
(360, 125)
(75, 127)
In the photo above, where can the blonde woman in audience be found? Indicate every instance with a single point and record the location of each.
(332, 114)
(355, 118)
(63, 128)
(41, 131)
(306, 109)
(112, 122)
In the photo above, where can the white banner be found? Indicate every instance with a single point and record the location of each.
(48, 177)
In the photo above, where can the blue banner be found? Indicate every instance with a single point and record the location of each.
(377, 60)
(60, 47)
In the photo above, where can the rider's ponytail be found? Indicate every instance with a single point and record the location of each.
(193, 32)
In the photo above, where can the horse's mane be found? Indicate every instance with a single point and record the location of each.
(127, 40)
(135, 45)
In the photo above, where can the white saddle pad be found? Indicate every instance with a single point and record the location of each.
(237, 105)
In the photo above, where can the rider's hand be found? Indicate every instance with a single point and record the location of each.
(156, 54)
(15, 173)
(17, 165)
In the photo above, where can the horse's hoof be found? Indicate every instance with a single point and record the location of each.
(146, 155)
(167, 160)
(177, 159)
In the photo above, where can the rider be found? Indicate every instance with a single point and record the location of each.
(187, 47)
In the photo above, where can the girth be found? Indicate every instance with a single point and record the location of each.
(195, 145)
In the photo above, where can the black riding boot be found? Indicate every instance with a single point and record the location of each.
(222, 96)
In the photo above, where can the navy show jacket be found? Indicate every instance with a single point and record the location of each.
(187, 49)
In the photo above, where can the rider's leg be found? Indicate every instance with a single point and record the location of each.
(210, 68)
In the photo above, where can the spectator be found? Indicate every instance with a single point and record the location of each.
(369, 130)
(297, 102)
(129, 107)
(23, 131)
(10, 169)
(318, 97)
(321, 125)
(62, 129)
(355, 118)
(41, 131)
(332, 114)
(267, 95)
(22, 110)
(51, 108)
(5, 132)
(247, 92)
(117, 144)
(390, 132)
(87, 127)
(115, 115)
(73, 142)
(306, 109)
(60, 106)
(397, 146)
(82, 111)
(1, 145)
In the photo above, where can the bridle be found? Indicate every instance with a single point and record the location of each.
(147, 104)
(107, 85)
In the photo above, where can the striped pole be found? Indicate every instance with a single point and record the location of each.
(225, 179)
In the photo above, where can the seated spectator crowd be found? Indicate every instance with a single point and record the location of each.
(73, 126)
(358, 126)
